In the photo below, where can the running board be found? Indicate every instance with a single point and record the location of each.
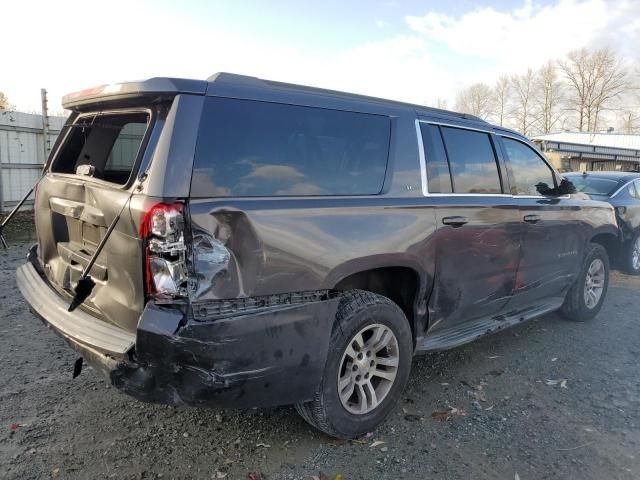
(464, 333)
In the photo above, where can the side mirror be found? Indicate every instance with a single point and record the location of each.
(565, 188)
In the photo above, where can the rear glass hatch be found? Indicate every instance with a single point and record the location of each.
(90, 178)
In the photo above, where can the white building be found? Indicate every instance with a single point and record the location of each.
(583, 151)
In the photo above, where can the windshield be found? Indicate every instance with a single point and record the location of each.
(593, 185)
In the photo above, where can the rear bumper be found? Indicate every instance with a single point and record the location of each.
(268, 358)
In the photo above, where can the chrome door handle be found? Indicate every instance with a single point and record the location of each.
(532, 218)
(455, 221)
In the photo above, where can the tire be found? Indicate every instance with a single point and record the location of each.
(576, 305)
(632, 256)
(370, 316)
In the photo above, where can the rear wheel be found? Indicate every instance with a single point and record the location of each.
(585, 298)
(632, 256)
(367, 366)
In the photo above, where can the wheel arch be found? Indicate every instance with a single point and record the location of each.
(610, 241)
(400, 279)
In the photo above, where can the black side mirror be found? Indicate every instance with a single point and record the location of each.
(565, 188)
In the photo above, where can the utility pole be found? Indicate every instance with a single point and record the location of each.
(45, 125)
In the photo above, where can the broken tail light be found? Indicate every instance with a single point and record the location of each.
(162, 230)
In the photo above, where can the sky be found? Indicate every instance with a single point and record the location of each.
(415, 51)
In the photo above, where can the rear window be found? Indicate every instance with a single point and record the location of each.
(252, 148)
(103, 146)
(593, 185)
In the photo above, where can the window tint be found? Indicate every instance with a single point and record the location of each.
(125, 148)
(530, 174)
(250, 148)
(109, 143)
(473, 163)
(436, 159)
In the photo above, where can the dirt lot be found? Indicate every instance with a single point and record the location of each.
(517, 425)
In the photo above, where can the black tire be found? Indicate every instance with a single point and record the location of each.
(630, 266)
(575, 305)
(356, 310)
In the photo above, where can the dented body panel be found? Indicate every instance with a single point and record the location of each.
(266, 273)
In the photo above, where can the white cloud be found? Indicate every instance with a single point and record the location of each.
(380, 23)
(528, 35)
(93, 45)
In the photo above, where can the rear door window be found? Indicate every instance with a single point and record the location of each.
(530, 175)
(103, 146)
(253, 148)
(438, 176)
(473, 162)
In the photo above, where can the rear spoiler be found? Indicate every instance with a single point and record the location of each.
(160, 86)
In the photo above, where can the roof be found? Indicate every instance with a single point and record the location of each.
(234, 84)
(611, 140)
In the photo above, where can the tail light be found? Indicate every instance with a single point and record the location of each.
(162, 230)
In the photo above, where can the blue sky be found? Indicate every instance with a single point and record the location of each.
(416, 51)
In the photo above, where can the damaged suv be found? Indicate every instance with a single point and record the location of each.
(255, 243)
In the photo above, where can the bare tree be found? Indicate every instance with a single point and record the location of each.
(596, 78)
(525, 111)
(440, 103)
(477, 100)
(501, 98)
(548, 97)
(4, 102)
(630, 122)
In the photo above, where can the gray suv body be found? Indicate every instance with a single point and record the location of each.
(283, 244)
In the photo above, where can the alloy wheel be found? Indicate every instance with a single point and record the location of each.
(635, 255)
(594, 283)
(368, 369)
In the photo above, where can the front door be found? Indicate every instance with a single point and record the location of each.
(553, 239)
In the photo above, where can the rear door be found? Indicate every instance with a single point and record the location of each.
(553, 234)
(90, 178)
(478, 236)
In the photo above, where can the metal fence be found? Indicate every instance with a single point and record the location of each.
(22, 153)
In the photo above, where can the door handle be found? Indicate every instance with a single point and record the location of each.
(532, 218)
(455, 221)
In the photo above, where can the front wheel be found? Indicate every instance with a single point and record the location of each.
(367, 366)
(585, 298)
(632, 256)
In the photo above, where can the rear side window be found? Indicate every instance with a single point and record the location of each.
(103, 146)
(252, 148)
(530, 174)
(634, 189)
(472, 160)
(436, 160)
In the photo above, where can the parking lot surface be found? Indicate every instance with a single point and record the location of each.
(549, 399)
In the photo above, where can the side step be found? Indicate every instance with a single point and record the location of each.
(464, 333)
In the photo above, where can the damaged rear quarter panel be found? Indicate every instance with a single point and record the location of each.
(286, 245)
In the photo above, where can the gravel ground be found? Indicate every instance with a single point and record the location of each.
(517, 425)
